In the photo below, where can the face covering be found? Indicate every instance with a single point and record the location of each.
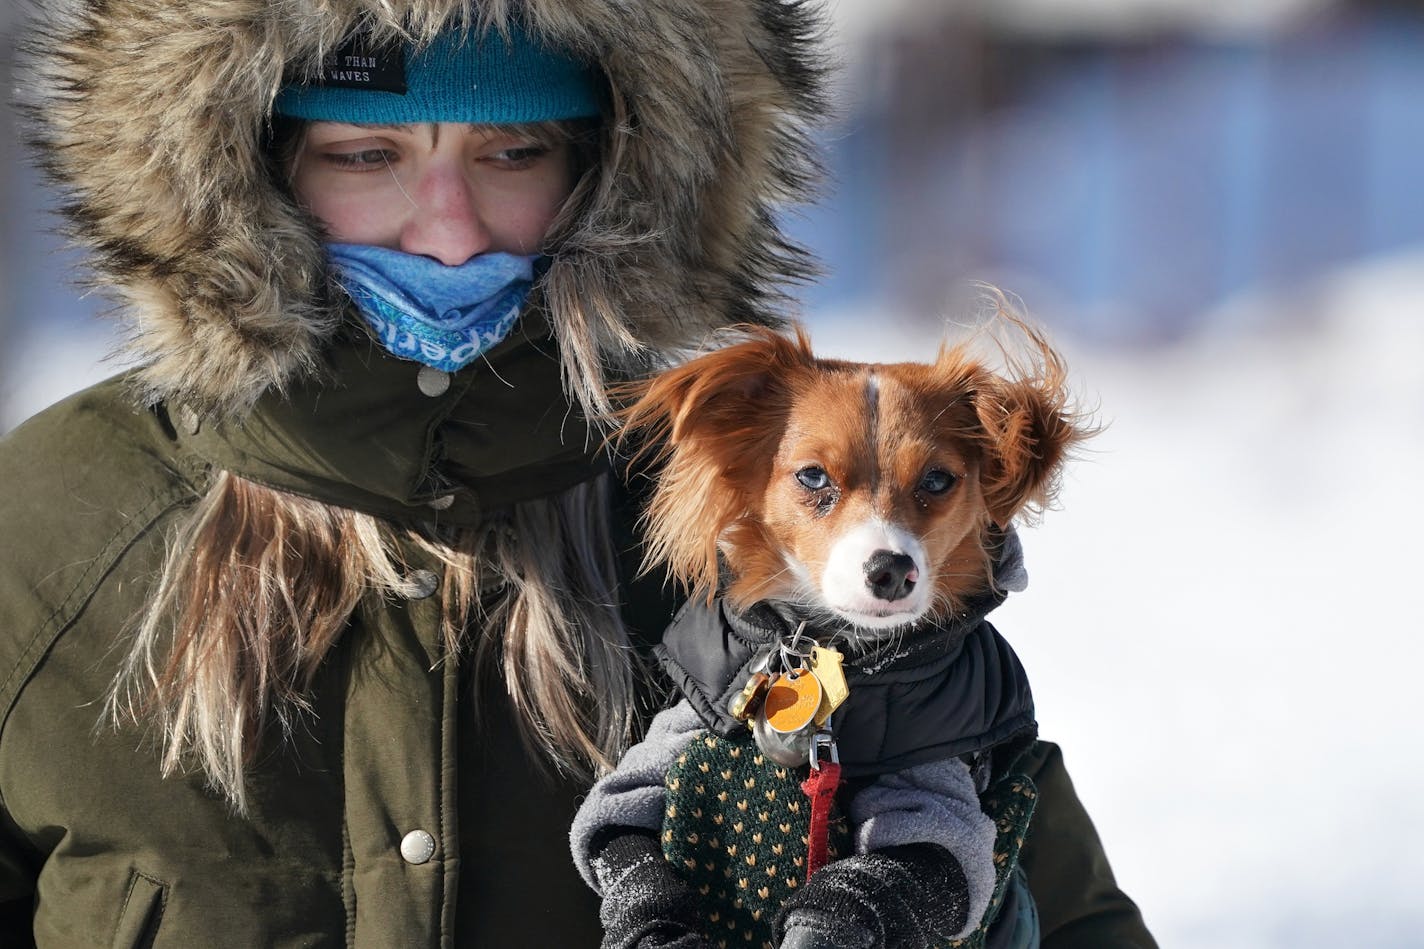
(422, 310)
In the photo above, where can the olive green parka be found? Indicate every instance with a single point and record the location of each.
(404, 809)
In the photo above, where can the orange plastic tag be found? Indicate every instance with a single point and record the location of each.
(792, 701)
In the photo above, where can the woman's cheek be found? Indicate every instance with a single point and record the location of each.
(359, 216)
(519, 218)
(522, 228)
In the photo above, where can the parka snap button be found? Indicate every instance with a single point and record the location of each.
(417, 847)
(443, 503)
(422, 584)
(432, 381)
(189, 419)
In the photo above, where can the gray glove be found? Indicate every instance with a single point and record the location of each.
(909, 897)
(645, 904)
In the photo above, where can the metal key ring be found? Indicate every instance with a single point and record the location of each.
(795, 649)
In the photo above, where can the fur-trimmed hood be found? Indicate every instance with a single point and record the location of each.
(152, 114)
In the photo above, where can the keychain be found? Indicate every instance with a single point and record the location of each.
(790, 694)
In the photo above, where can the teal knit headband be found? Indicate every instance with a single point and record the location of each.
(457, 78)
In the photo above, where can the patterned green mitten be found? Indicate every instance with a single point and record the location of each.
(736, 828)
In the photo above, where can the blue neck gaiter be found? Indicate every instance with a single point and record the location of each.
(422, 310)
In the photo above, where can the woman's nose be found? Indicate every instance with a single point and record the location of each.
(445, 223)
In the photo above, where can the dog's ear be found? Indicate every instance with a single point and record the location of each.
(712, 424)
(719, 395)
(1029, 429)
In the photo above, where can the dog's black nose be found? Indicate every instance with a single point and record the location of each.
(890, 576)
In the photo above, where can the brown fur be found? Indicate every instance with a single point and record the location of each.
(734, 426)
(152, 113)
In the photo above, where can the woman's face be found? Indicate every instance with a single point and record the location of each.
(444, 190)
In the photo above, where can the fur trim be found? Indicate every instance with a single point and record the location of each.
(151, 114)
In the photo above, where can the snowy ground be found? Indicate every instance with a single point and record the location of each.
(1219, 627)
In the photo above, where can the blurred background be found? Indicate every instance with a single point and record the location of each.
(1216, 210)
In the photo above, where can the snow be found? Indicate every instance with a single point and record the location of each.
(1218, 625)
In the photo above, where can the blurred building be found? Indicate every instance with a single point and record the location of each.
(1124, 165)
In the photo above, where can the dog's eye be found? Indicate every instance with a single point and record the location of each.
(814, 477)
(937, 481)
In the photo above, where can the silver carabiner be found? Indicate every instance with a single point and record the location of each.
(823, 737)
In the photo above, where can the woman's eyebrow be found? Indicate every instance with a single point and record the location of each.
(409, 128)
(491, 130)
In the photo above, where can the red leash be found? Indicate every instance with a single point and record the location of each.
(820, 786)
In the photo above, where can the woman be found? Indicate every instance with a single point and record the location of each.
(312, 626)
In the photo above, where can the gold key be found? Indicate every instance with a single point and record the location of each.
(826, 667)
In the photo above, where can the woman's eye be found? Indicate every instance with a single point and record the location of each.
(361, 160)
(520, 157)
(813, 477)
(937, 481)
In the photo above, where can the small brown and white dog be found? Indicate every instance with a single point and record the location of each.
(854, 520)
(862, 491)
